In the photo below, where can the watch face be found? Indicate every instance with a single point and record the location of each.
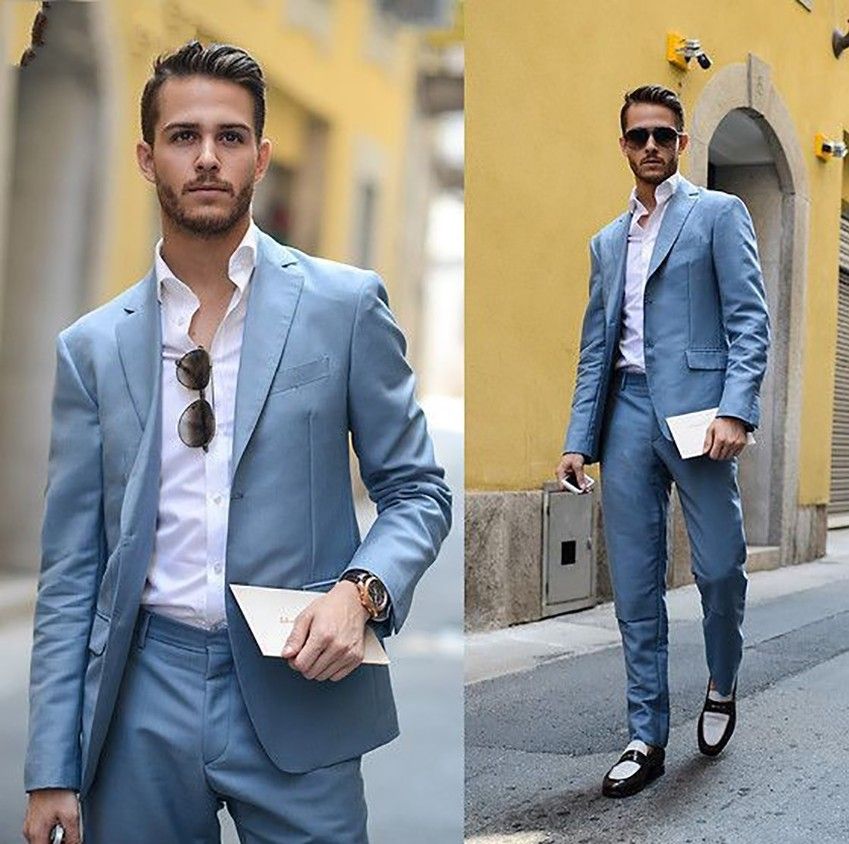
(377, 593)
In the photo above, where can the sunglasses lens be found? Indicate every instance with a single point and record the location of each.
(665, 136)
(197, 424)
(637, 138)
(193, 369)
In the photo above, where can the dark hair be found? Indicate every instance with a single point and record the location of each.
(654, 94)
(220, 61)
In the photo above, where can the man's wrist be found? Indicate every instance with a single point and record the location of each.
(351, 589)
(372, 593)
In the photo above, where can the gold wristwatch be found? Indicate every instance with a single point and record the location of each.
(373, 594)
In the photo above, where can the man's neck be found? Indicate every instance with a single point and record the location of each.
(201, 263)
(645, 194)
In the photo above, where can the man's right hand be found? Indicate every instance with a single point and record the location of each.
(572, 463)
(48, 807)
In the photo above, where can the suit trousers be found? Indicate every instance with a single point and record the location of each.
(638, 466)
(181, 745)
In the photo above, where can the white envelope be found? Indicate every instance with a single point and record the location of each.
(690, 429)
(271, 614)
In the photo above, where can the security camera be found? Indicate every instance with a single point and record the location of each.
(692, 49)
(827, 148)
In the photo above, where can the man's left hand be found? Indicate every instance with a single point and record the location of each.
(726, 438)
(328, 639)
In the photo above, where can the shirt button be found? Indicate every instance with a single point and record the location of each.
(217, 568)
(216, 499)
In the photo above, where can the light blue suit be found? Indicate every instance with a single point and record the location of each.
(321, 358)
(706, 336)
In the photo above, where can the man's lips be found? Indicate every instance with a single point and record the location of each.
(208, 188)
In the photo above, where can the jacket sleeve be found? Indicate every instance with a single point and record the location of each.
(744, 312)
(583, 431)
(396, 457)
(71, 555)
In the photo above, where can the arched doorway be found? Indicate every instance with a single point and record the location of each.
(60, 160)
(742, 159)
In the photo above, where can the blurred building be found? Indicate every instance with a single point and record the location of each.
(353, 173)
(545, 91)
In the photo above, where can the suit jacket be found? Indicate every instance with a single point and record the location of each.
(706, 328)
(321, 358)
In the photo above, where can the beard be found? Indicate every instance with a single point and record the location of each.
(206, 223)
(655, 177)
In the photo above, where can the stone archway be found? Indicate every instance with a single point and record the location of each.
(740, 102)
(62, 143)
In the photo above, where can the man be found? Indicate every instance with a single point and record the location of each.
(676, 322)
(200, 438)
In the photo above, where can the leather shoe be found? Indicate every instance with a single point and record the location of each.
(650, 768)
(728, 708)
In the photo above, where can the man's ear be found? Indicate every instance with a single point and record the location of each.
(683, 141)
(263, 160)
(144, 156)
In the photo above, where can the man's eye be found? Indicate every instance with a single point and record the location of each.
(185, 134)
(233, 137)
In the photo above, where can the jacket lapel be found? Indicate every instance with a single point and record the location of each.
(680, 205)
(274, 293)
(615, 280)
(139, 338)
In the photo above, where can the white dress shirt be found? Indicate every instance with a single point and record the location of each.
(641, 241)
(185, 580)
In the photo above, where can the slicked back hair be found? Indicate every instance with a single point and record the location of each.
(218, 61)
(658, 95)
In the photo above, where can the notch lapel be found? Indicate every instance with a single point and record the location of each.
(139, 338)
(274, 293)
(619, 251)
(679, 209)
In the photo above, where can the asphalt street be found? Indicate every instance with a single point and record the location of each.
(414, 785)
(545, 718)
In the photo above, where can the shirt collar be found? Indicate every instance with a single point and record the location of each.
(662, 193)
(239, 269)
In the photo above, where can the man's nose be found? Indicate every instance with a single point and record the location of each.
(207, 158)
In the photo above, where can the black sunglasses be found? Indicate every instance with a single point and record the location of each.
(196, 425)
(664, 136)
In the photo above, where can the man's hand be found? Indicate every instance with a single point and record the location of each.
(328, 639)
(726, 438)
(48, 807)
(572, 463)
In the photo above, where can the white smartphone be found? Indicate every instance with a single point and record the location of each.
(57, 835)
(570, 483)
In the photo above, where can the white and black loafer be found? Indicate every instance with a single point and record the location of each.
(645, 766)
(712, 733)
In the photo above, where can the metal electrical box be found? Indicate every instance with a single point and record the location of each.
(568, 559)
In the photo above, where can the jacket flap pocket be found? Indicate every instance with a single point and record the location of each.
(707, 358)
(99, 634)
(304, 373)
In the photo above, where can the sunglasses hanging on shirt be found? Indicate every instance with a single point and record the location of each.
(196, 426)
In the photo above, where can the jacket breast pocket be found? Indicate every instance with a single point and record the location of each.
(707, 358)
(298, 376)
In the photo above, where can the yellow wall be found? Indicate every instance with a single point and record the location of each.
(335, 82)
(544, 172)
